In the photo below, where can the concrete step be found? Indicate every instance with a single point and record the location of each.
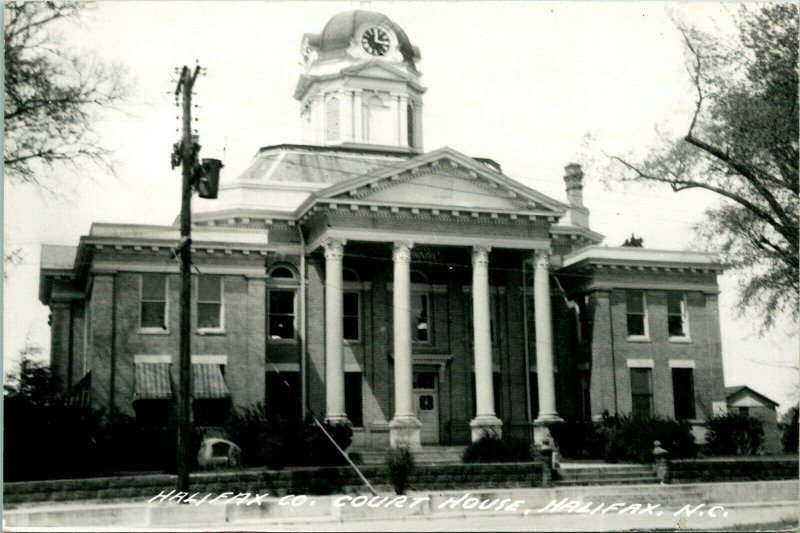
(605, 481)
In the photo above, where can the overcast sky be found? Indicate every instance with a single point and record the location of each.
(522, 83)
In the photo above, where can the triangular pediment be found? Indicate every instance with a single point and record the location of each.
(378, 69)
(443, 179)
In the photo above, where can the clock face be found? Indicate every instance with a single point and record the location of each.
(375, 41)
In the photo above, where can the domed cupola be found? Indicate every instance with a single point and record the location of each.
(360, 85)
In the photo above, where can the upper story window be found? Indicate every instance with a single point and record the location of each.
(420, 309)
(281, 272)
(153, 309)
(210, 302)
(332, 123)
(677, 317)
(281, 303)
(351, 312)
(281, 314)
(636, 313)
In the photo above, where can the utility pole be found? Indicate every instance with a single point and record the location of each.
(187, 152)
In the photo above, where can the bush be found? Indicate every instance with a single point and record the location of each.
(400, 464)
(579, 439)
(491, 449)
(630, 438)
(790, 431)
(734, 434)
(277, 442)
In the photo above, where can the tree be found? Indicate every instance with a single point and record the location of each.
(52, 96)
(634, 242)
(742, 145)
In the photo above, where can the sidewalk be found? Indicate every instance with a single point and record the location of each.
(772, 500)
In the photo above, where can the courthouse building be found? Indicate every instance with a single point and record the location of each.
(422, 297)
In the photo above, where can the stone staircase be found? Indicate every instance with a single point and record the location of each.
(427, 455)
(602, 474)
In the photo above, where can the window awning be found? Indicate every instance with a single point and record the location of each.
(152, 382)
(208, 382)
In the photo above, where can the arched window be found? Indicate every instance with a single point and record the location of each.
(281, 272)
(332, 120)
(349, 274)
(418, 277)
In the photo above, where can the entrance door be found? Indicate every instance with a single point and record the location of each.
(426, 403)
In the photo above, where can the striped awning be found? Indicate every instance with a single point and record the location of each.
(152, 382)
(208, 382)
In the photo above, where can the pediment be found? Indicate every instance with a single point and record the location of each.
(378, 69)
(444, 179)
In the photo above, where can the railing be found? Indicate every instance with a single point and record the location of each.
(78, 396)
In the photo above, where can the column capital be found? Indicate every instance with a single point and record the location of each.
(401, 252)
(541, 259)
(334, 248)
(480, 255)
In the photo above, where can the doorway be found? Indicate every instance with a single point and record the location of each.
(426, 404)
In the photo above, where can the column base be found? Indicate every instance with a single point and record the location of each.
(404, 432)
(541, 429)
(337, 420)
(486, 425)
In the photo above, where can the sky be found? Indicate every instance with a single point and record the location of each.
(533, 85)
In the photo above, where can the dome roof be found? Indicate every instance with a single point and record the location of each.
(340, 30)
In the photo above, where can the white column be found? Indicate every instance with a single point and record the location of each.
(404, 429)
(544, 339)
(334, 336)
(485, 420)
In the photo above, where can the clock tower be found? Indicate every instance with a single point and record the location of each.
(360, 86)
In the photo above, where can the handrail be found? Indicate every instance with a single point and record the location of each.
(364, 479)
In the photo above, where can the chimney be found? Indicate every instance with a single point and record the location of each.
(573, 177)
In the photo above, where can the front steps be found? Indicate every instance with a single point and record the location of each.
(570, 475)
(427, 455)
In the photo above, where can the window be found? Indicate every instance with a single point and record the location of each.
(642, 392)
(281, 273)
(281, 314)
(210, 411)
(209, 302)
(584, 325)
(410, 122)
(353, 405)
(744, 411)
(636, 313)
(283, 396)
(154, 301)
(677, 321)
(493, 317)
(683, 392)
(332, 120)
(419, 318)
(153, 413)
(351, 316)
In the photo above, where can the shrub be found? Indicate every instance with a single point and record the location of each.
(790, 431)
(734, 434)
(277, 442)
(491, 449)
(630, 438)
(578, 439)
(400, 465)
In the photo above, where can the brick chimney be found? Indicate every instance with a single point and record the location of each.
(573, 177)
